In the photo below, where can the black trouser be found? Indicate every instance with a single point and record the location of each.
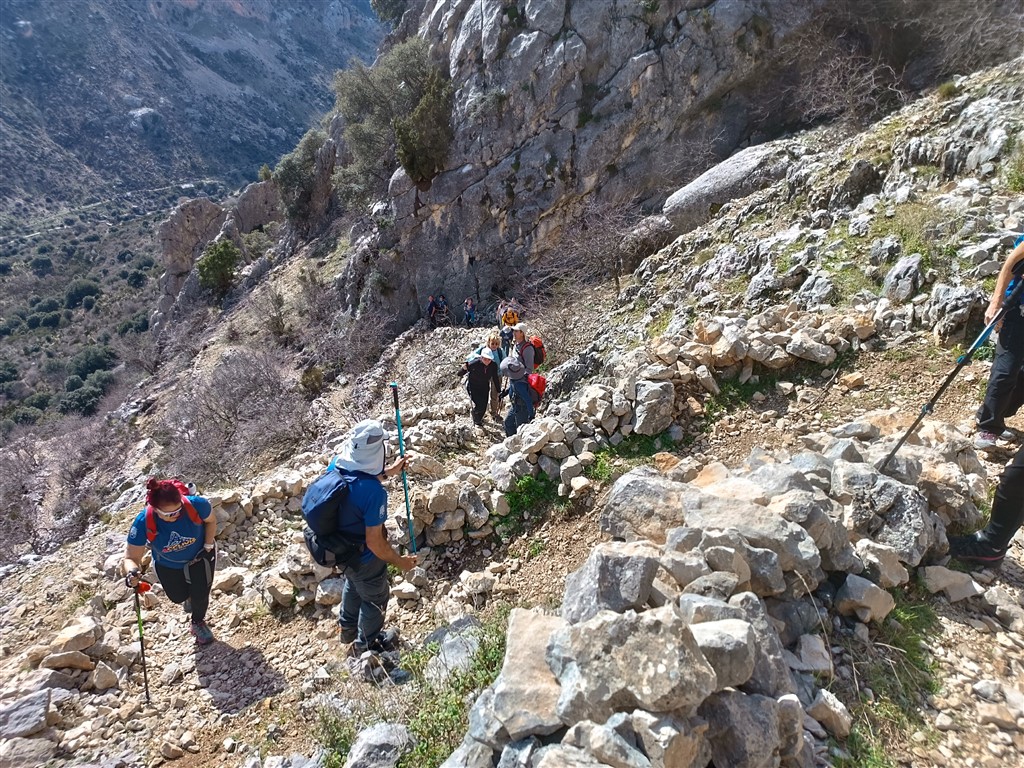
(479, 393)
(1005, 392)
(194, 581)
(1008, 506)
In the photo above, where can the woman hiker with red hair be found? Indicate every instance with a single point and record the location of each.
(180, 530)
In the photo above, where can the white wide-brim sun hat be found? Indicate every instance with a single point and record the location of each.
(363, 449)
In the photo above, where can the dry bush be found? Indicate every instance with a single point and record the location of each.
(18, 525)
(240, 417)
(268, 307)
(138, 351)
(318, 298)
(587, 252)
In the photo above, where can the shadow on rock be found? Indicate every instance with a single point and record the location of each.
(237, 677)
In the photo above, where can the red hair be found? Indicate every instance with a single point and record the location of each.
(161, 493)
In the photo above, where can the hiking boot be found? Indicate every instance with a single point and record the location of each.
(384, 642)
(986, 441)
(1010, 436)
(974, 549)
(202, 633)
(349, 635)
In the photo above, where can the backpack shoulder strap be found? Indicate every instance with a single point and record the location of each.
(192, 513)
(150, 523)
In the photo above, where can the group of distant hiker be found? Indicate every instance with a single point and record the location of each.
(179, 530)
(508, 354)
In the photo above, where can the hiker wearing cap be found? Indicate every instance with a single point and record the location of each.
(1004, 394)
(481, 371)
(989, 546)
(523, 347)
(180, 530)
(518, 390)
(364, 597)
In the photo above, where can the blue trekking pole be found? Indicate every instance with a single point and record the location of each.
(401, 453)
(961, 362)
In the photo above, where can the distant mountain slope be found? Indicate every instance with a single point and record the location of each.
(104, 96)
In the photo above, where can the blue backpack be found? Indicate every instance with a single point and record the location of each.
(1018, 269)
(321, 505)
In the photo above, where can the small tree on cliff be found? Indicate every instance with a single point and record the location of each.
(399, 110)
(217, 268)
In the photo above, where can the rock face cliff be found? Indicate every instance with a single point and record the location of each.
(566, 101)
(97, 97)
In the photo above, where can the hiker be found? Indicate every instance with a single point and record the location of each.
(431, 307)
(364, 597)
(1004, 394)
(481, 371)
(989, 545)
(518, 390)
(524, 347)
(180, 531)
(494, 344)
(469, 307)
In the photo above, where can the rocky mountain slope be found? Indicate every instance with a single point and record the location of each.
(102, 98)
(725, 423)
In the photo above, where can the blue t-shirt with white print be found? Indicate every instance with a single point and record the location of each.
(177, 543)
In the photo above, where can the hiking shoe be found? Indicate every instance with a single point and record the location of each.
(985, 441)
(1010, 436)
(385, 641)
(349, 635)
(974, 549)
(202, 633)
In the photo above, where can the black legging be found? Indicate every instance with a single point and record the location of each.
(1008, 506)
(195, 582)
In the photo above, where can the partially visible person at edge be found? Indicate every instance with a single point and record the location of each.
(481, 371)
(469, 307)
(989, 545)
(494, 344)
(1005, 392)
(364, 597)
(523, 347)
(518, 390)
(184, 551)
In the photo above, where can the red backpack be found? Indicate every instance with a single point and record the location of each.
(151, 512)
(537, 385)
(539, 353)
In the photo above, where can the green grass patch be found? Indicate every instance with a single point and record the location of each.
(659, 324)
(601, 470)
(851, 280)
(732, 396)
(440, 716)
(437, 715)
(901, 674)
(947, 90)
(1015, 168)
(533, 496)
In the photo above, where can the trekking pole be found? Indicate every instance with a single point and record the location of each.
(961, 362)
(142, 586)
(401, 453)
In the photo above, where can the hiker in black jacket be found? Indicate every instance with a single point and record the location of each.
(481, 371)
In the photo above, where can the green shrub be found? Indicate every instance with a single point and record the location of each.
(78, 290)
(424, 136)
(43, 320)
(947, 90)
(41, 265)
(312, 382)
(265, 173)
(26, 415)
(73, 382)
(137, 323)
(294, 175)
(8, 371)
(389, 11)
(11, 326)
(101, 380)
(83, 400)
(40, 400)
(136, 278)
(380, 102)
(88, 303)
(217, 268)
(47, 305)
(93, 358)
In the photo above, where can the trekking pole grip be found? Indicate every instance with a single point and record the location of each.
(394, 393)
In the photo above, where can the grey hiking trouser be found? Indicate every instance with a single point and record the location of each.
(364, 599)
